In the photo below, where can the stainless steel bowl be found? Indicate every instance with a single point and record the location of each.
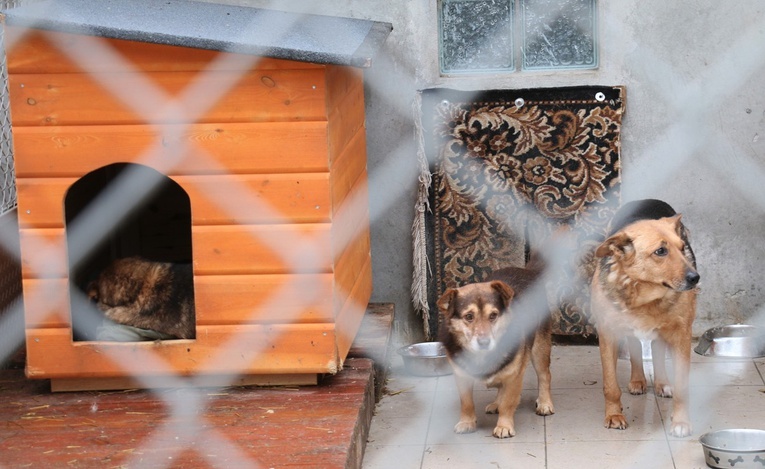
(426, 359)
(738, 340)
(739, 448)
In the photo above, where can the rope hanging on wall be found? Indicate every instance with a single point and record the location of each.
(419, 235)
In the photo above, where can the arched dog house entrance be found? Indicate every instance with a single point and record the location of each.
(117, 211)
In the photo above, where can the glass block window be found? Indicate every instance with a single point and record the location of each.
(480, 36)
(559, 34)
(476, 35)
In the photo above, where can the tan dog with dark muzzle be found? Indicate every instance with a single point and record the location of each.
(644, 286)
(488, 338)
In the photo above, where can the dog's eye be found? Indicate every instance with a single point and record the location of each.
(468, 317)
(493, 317)
(661, 252)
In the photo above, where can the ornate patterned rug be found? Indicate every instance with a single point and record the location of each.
(503, 170)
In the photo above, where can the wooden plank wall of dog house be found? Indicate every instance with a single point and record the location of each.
(203, 148)
(279, 348)
(71, 151)
(225, 300)
(58, 93)
(66, 124)
(69, 99)
(350, 214)
(300, 198)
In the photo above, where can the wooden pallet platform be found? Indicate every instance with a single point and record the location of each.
(321, 426)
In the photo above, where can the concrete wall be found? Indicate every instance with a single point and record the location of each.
(693, 134)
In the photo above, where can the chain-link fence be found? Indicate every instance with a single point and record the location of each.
(393, 183)
(11, 322)
(8, 186)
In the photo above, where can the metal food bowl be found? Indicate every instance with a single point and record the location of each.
(738, 448)
(426, 359)
(738, 340)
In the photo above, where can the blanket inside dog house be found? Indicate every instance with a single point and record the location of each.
(231, 138)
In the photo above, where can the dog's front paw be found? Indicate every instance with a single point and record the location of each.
(616, 421)
(465, 426)
(681, 429)
(501, 431)
(545, 408)
(492, 408)
(662, 390)
(637, 387)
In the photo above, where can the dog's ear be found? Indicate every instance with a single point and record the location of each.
(617, 245)
(446, 302)
(685, 233)
(504, 290)
(679, 227)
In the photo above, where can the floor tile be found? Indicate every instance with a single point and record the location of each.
(580, 413)
(580, 367)
(709, 371)
(688, 454)
(401, 381)
(609, 454)
(391, 456)
(413, 423)
(407, 404)
(760, 363)
(529, 426)
(392, 431)
(719, 407)
(505, 455)
(582, 355)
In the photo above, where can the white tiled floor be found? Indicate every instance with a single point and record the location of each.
(412, 426)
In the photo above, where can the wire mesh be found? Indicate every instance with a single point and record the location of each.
(7, 175)
(11, 320)
(731, 71)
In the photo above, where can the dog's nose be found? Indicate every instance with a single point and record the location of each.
(484, 342)
(692, 277)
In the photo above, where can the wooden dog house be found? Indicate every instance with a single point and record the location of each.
(262, 186)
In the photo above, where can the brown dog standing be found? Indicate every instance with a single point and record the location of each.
(644, 286)
(486, 339)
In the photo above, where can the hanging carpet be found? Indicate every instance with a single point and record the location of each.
(503, 170)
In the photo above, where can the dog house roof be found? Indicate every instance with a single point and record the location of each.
(245, 30)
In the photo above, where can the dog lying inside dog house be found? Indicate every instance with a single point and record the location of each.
(246, 128)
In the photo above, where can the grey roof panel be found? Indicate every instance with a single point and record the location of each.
(256, 31)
